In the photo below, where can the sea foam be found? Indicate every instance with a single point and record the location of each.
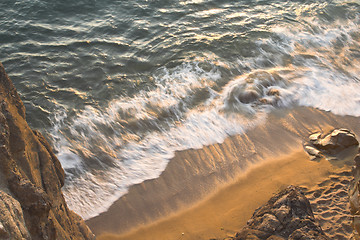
(105, 151)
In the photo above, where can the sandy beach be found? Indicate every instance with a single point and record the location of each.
(175, 120)
(211, 192)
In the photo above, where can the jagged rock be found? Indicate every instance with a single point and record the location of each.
(32, 205)
(354, 198)
(3, 232)
(330, 144)
(12, 219)
(287, 215)
(338, 139)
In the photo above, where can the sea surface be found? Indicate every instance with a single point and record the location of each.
(118, 86)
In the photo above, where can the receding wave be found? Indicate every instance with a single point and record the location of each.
(117, 97)
(134, 138)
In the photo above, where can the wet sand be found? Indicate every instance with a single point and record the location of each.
(212, 192)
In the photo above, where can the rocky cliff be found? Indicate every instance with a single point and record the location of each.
(32, 205)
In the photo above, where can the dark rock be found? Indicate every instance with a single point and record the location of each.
(357, 160)
(354, 197)
(3, 233)
(287, 215)
(248, 96)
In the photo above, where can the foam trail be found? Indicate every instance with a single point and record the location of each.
(106, 151)
(132, 140)
(325, 72)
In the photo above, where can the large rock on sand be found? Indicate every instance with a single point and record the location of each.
(337, 140)
(31, 202)
(331, 143)
(287, 215)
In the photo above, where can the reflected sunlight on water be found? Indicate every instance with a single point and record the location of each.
(118, 86)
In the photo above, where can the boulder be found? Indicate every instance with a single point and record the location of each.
(287, 215)
(336, 140)
(332, 143)
(248, 96)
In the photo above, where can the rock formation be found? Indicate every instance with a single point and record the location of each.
(331, 143)
(354, 197)
(287, 215)
(32, 205)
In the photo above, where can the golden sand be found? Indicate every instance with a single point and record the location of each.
(206, 193)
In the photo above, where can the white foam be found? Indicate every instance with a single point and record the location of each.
(115, 156)
(327, 75)
(132, 139)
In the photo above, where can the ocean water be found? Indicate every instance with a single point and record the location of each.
(118, 86)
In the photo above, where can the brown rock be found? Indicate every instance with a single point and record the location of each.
(12, 218)
(336, 140)
(357, 160)
(287, 215)
(32, 205)
(313, 152)
(3, 233)
(273, 92)
(248, 96)
(330, 144)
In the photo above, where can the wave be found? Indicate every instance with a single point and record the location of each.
(106, 150)
(132, 140)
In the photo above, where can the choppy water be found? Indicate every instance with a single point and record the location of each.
(118, 86)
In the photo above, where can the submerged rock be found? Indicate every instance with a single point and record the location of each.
(248, 96)
(31, 202)
(257, 88)
(273, 92)
(287, 215)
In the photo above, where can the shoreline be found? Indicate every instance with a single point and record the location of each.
(194, 175)
(227, 211)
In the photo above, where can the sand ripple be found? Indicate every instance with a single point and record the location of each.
(330, 204)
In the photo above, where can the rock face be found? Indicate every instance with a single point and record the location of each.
(287, 215)
(32, 205)
(331, 143)
(354, 197)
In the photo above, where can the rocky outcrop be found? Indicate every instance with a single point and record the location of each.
(287, 215)
(32, 205)
(331, 143)
(354, 197)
